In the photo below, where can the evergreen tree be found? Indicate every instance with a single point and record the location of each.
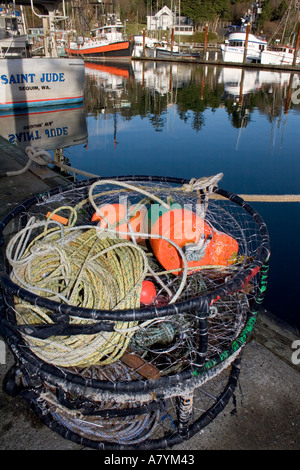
(205, 10)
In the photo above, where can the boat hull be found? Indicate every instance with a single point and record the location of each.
(236, 55)
(119, 50)
(33, 82)
(165, 53)
(161, 53)
(275, 58)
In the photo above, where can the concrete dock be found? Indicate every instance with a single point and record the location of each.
(266, 411)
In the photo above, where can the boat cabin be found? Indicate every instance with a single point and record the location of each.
(281, 49)
(111, 33)
(13, 40)
(10, 24)
(238, 40)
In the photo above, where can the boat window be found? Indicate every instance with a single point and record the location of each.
(12, 24)
(291, 51)
(236, 43)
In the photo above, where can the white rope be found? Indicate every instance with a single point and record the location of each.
(203, 183)
(42, 157)
(206, 183)
(83, 349)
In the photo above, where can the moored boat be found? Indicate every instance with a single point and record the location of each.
(234, 47)
(40, 82)
(165, 50)
(141, 42)
(107, 42)
(279, 55)
(27, 81)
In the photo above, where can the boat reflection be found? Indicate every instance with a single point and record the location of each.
(102, 70)
(240, 81)
(49, 128)
(159, 77)
(162, 77)
(246, 90)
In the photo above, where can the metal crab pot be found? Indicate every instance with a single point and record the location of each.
(147, 397)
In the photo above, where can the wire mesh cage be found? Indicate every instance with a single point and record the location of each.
(128, 302)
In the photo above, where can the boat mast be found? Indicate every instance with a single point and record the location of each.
(23, 19)
(286, 21)
(48, 19)
(289, 20)
(179, 23)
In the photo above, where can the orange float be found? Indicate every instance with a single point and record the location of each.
(148, 293)
(185, 227)
(110, 214)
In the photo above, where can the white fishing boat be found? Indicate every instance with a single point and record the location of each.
(141, 42)
(37, 81)
(40, 82)
(279, 55)
(282, 51)
(234, 47)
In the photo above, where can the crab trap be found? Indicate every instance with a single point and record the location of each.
(128, 302)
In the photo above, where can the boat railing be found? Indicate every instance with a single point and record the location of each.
(54, 17)
(281, 48)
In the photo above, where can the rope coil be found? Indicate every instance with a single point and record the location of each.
(85, 271)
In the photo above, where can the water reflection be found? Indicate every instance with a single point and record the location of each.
(49, 128)
(149, 90)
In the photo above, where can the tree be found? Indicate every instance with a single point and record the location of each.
(205, 10)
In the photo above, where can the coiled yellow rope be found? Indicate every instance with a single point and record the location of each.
(81, 269)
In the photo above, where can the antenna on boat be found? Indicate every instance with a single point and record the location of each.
(23, 19)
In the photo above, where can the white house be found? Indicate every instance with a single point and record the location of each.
(165, 19)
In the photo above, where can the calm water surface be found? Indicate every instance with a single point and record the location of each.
(192, 121)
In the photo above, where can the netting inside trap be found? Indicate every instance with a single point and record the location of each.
(75, 300)
(148, 425)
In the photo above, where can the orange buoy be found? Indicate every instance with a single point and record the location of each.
(110, 214)
(221, 249)
(187, 229)
(148, 293)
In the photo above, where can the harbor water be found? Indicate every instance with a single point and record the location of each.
(189, 121)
